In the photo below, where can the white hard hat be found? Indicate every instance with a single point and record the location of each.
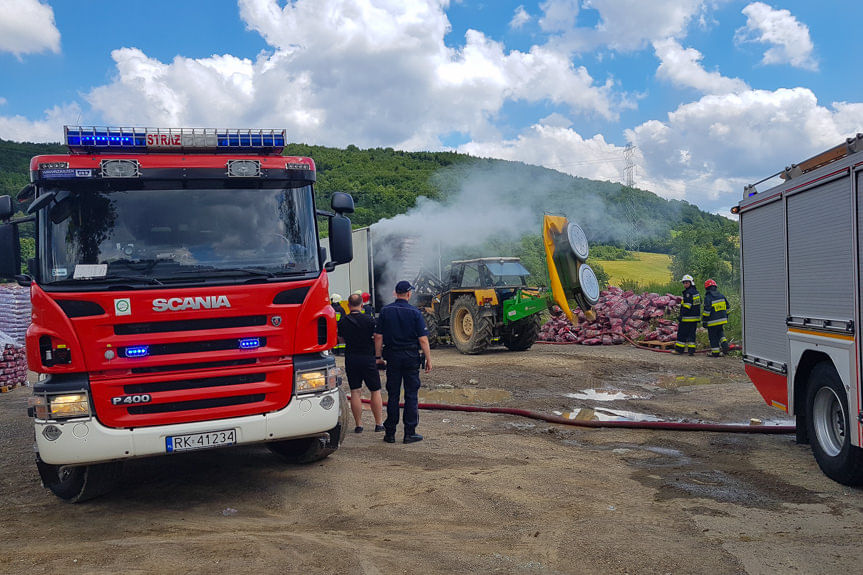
(335, 298)
(358, 292)
(687, 278)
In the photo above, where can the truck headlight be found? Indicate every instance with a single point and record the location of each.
(317, 380)
(65, 406)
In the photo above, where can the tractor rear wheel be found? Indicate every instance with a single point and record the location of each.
(522, 334)
(471, 332)
(432, 327)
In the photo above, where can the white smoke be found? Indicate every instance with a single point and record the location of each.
(493, 202)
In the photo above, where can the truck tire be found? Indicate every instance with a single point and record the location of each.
(829, 426)
(431, 325)
(471, 333)
(79, 483)
(522, 334)
(311, 449)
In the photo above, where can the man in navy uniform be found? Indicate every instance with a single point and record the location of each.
(400, 333)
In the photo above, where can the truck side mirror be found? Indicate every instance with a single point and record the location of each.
(6, 209)
(341, 240)
(40, 202)
(10, 251)
(342, 203)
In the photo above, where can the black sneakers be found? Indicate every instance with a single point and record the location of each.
(413, 438)
(379, 428)
(389, 438)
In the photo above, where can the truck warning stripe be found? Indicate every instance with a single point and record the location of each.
(822, 334)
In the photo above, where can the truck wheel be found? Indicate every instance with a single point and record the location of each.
(522, 334)
(470, 332)
(829, 427)
(311, 449)
(431, 325)
(79, 483)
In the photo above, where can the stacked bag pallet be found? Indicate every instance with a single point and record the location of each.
(14, 321)
(620, 315)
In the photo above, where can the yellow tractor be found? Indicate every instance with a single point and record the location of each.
(488, 299)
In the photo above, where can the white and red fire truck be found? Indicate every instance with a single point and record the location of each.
(801, 252)
(180, 300)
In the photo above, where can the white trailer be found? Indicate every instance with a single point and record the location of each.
(801, 284)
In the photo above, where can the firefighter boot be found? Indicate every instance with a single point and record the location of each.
(725, 347)
(691, 351)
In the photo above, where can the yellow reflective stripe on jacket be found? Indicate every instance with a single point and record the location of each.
(689, 319)
(717, 322)
(687, 305)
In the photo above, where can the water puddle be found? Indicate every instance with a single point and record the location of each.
(675, 381)
(605, 414)
(601, 395)
(470, 396)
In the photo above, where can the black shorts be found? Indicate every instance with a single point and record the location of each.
(362, 368)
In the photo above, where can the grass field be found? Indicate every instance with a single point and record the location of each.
(647, 269)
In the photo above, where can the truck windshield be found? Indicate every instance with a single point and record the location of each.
(152, 235)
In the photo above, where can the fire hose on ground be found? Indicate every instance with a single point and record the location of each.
(666, 425)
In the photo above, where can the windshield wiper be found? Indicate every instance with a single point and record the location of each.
(111, 278)
(208, 270)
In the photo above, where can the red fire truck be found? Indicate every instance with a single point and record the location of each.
(180, 300)
(801, 254)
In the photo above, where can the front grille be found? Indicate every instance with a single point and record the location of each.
(202, 383)
(195, 404)
(188, 366)
(189, 325)
(191, 346)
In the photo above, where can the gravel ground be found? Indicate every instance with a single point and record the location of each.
(483, 493)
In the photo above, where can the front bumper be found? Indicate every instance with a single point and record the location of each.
(86, 441)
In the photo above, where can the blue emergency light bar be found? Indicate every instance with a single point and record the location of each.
(91, 139)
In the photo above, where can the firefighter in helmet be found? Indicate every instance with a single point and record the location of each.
(690, 314)
(336, 303)
(714, 317)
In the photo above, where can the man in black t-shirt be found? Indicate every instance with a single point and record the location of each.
(357, 329)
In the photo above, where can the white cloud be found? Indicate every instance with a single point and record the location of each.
(629, 25)
(519, 18)
(552, 144)
(368, 72)
(49, 129)
(789, 38)
(27, 26)
(710, 148)
(558, 15)
(682, 67)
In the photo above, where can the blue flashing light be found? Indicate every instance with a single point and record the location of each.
(250, 343)
(138, 351)
(115, 139)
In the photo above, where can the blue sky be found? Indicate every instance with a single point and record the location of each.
(713, 94)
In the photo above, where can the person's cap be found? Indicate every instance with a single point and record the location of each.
(404, 287)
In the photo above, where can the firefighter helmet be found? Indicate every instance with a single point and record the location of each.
(687, 278)
(709, 283)
(335, 298)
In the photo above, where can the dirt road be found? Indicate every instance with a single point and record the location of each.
(482, 494)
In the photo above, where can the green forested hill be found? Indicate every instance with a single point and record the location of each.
(15, 163)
